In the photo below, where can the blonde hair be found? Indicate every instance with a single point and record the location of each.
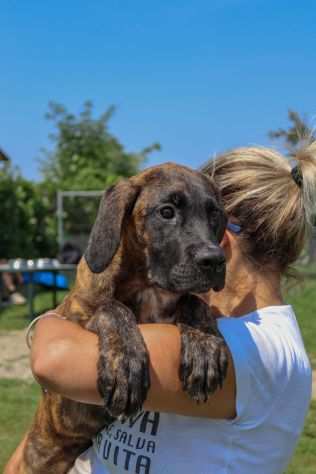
(275, 211)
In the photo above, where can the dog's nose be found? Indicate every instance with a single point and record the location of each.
(211, 259)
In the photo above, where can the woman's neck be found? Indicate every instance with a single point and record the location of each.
(246, 290)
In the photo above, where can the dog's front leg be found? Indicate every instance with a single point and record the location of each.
(203, 364)
(123, 366)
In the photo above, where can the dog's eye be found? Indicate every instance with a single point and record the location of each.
(167, 212)
(214, 214)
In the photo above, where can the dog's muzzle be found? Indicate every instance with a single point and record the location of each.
(205, 271)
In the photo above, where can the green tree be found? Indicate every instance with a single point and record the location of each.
(86, 156)
(26, 231)
(297, 133)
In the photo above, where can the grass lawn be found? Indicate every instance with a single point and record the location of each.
(304, 459)
(304, 302)
(15, 317)
(17, 405)
(18, 399)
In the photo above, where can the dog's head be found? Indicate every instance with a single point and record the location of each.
(176, 220)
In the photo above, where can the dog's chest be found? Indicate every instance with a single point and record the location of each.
(152, 305)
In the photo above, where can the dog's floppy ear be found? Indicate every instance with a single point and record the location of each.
(115, 206)
(221, 225)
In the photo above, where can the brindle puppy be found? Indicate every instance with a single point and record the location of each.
(154, 243)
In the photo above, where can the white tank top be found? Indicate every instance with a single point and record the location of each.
(273, 377)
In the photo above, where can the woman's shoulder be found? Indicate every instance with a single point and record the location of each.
(268, 355)
(268, 337)
(261, 323)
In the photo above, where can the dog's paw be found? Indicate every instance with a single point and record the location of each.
(123, 365)
(123, 381)
(203, 364)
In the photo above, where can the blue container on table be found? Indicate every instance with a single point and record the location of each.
(47, 279)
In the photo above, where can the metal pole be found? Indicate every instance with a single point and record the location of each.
(55, 288)
(30, 296)
(60, 237)
(60, 209)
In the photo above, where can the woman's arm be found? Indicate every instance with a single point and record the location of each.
(64, 359)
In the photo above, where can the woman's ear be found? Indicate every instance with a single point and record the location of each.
(227, 244)
(225, 240)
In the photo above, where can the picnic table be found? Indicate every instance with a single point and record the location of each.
(34, 266)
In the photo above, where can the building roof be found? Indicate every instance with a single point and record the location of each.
(3, 156)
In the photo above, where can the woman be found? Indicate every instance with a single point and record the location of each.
(252, 424)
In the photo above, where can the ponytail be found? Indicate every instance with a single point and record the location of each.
(306, 164)
(272, 201)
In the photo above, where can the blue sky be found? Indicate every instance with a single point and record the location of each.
(198, 76)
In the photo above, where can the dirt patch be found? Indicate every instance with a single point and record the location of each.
(14, 360)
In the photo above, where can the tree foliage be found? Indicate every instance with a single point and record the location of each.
(26, 230)
(85, 156)
(297, 133)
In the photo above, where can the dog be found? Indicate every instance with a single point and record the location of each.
(153, 247)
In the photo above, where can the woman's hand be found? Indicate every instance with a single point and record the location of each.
(15, 461)
(64, 359)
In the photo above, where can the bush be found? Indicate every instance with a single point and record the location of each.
(28, 219)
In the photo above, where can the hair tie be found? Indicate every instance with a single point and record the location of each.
(235, 228)
(296, 173)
